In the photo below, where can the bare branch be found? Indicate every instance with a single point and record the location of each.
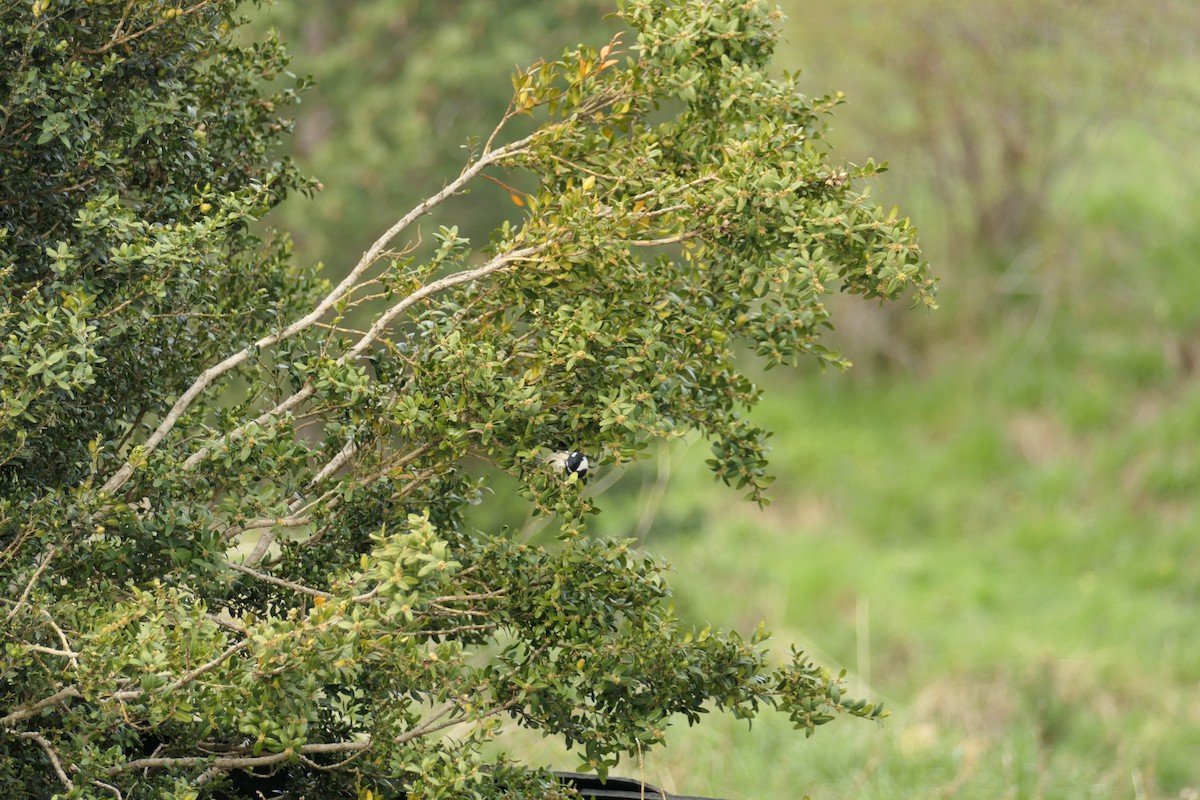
(115, 791)
(369, 257)
(366, 340)
(51, 551)
(308, 762)
(456, 612)
(427, 727)
(261, 420)
(188, 677)
(496, 264)
(27, 711)
(53, 651)
(454, 631)
(236, 762)
(62, 637)
(269, 522)
(431, 724)
(451, 598)
(55, 190)
(337, 462)
(268, 538)
(261, 547)
(664, 240)
(44, 743)
(295, 587)
(228, 624)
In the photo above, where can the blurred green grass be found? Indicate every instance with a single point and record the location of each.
(1022, 600)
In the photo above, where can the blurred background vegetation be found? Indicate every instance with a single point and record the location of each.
(990, 521)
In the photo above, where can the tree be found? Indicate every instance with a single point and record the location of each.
(232, 527)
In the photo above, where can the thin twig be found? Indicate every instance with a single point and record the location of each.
(295, 587)
(457, 612)
(663, 241)
(51, 551)
(308, 762)
(115, 791)
(305, 392)
(381, 324)
(429, 725)
(186, 678)
(454, 631)
(53, 651)
(236, 762)
(496, 264)
(27, 711)
(203, 668)
(451, 598)
(62, 637)
(56, 190)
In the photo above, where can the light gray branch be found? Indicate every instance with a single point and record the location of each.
(46, 559)
(347, 284)
(27, 711)
(44, 743)
(295, 587)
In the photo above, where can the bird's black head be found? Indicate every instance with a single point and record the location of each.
(576, 463)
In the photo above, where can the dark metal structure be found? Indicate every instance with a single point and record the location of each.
(592, 788)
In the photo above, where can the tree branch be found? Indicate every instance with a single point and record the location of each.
(496, 264)
(44, 743)
(62, 637)
(305, 392)
(236, 762)
(466, 276)
(432, 724)
(679, 237)
(336, 463)
(295, 587)
(118, 39)
(115, 791)
(27, 711)
(186, 678)
(453, 631)
(214, 372)
(51, 551)
(53, 651)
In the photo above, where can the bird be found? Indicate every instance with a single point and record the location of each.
(571, 462)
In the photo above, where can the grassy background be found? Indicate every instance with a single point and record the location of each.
(1003, 553)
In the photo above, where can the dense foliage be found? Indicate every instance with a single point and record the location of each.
(232, 526)
(132, 165)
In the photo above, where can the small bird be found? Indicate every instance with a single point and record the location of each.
(571, 462)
